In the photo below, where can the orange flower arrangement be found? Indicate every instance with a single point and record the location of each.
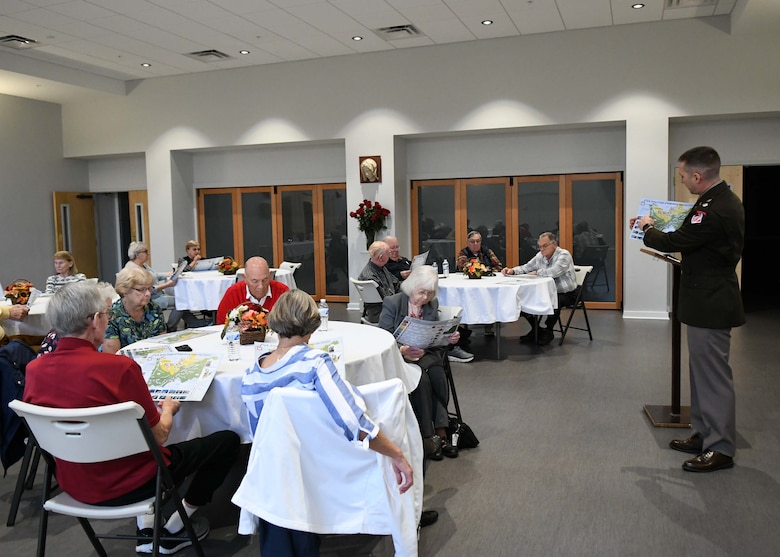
(474, 269)
(227, 266)
(19, 291)
(248, 317)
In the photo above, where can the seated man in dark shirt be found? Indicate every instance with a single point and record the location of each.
(376, 270)
(399, 266)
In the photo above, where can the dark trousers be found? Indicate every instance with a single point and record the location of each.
(429, 400)
(564, 299)
(276, 541)
(210, 458)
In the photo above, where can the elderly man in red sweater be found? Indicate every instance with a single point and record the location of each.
(257, 288)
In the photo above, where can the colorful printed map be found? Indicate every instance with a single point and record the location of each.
(667, 215)
(180, 376)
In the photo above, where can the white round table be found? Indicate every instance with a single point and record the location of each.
(35, 324)
(201, 290)
(498, 299)
(370, 355)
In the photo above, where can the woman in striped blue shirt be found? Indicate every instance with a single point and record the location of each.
(293, 363)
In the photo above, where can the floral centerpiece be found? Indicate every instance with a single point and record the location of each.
(19, 291)
(252, 322)
(227, 266)
(474, 269)
(371, 217)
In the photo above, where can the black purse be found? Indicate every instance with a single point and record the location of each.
(461, 434)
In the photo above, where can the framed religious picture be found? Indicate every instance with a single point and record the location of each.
(370, 169)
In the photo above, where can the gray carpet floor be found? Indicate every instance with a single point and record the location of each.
(568, 463)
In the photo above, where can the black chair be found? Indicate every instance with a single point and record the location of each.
(581, 272)
(596, 257)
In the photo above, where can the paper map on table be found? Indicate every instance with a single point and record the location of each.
(179, 376)
(667, 215)
(180, 336)
(321, 340)
(140, 352)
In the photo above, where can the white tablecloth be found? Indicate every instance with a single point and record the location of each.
(34, 324)
(498, 299)
(285, 276)
(201, 290)
(370, 355)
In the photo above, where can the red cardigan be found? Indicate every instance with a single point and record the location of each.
(236, 295)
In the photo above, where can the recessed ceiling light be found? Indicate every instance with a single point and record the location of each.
(243, 52)
(487, 22)
(637, 6)
(357, 38)
(146, 65)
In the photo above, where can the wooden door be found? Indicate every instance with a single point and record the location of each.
(139, 219)
(74, 229)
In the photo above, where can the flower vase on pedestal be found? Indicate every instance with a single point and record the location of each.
(369, 238)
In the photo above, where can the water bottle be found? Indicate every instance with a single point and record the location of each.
(324, 311)
(436, 267)
(233, 337)
(445, 268)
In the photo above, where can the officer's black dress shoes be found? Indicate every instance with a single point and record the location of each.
(708, 461)
(428, 517)
(691, 445)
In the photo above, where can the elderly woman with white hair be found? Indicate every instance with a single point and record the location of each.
(429, 400)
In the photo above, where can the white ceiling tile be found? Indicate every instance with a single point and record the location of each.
(243, 6)
(581, 14)
(622, 12)
(446, 30)
(534, 17)
(683, 13)
(12, 6)
(79, 9)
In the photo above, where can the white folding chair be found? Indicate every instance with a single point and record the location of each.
(99, 434)
(581, 274)
(289, 266)
(369, 294)
(351, 490)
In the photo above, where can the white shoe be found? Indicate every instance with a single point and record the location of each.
(457, 354)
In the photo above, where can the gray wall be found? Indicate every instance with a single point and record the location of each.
(31, 168)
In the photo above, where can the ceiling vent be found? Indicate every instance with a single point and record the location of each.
(397, 32)
(209, 55)
(17, 42)
(689, 3)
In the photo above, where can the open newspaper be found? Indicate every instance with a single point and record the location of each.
(419, 260)
(425, 334)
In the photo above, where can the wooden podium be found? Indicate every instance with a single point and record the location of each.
(673, 415)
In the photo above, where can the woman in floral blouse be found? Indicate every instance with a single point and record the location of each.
(134, 316)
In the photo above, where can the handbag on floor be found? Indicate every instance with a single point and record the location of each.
(461, 434)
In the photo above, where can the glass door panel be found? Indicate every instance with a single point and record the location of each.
(538, 210)
(257, 225)
(594, 237)
(436, 223)
(217, 211)
(334, 211)
(298, 234)
(486, 213)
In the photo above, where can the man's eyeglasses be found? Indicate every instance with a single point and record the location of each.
(544, 246)
(144, 289)
(106, 314)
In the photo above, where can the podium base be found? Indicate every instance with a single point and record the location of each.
(661, 416)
